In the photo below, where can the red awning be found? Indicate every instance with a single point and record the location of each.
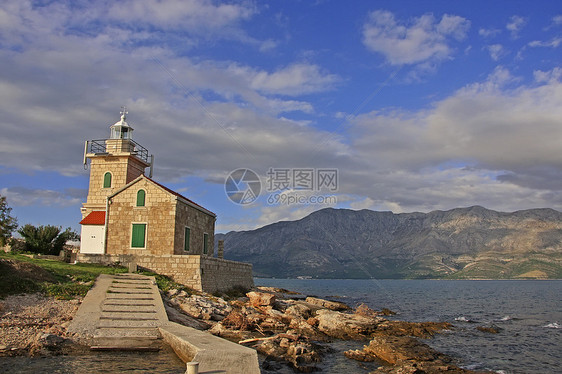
(97, 217)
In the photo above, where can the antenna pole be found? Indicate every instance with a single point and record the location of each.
(151, 166)
(86, 151)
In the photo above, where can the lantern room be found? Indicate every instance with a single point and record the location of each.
(121, 129)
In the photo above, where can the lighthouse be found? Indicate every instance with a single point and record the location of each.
(114, 162)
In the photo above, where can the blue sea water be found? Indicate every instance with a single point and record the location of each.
(528, 312)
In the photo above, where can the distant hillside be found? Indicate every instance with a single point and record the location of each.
(461, 243)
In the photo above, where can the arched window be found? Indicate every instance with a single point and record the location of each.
(140, 197)
(107, 180)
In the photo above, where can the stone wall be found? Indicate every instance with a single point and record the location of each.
(201, 273)
(199, 224)
(123, 169)
(158, 214)
(219, 274)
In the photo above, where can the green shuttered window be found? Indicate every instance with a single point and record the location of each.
(107, 180)
(205, 243)
(186, 239)
(140, 197)
(138, 235)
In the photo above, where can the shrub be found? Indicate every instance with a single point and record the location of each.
(48, 240)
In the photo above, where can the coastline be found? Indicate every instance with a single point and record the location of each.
(288, 329)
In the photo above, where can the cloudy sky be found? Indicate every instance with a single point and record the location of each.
(418, 105)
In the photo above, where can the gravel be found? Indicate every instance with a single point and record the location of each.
(26, 320)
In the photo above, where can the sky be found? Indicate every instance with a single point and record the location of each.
(384, 105)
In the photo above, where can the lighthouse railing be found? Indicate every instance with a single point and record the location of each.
(99, 146)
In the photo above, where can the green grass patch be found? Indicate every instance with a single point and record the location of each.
(166, 283)
(67, 291)
(21, 274)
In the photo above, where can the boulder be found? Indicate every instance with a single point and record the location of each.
(346, 326)
(331, 305)
(261, 299)
(418, 329)
(299, 310)
(299, 353)
(204, 308)
(489, 329)
(400, 348)
(359, 355)
(175, 315)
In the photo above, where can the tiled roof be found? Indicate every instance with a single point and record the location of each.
(97, 217)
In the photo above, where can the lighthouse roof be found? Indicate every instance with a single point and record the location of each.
(122, 123)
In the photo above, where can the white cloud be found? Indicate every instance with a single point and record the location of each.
(189, 14)
(553, 43)
(515, 25)
(21, 196)
(422, 39)
(488, 33)
(296, 79)
(496, 51)
(478, 146)
(553, 75)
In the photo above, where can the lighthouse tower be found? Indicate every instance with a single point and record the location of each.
(114, 162)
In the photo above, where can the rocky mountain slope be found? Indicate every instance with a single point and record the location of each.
(461, 243)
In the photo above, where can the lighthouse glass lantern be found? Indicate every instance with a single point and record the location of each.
(121, 130)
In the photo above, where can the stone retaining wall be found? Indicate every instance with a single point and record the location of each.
(201, 273)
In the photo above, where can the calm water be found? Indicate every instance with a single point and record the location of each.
(528, 312)
(161, 362)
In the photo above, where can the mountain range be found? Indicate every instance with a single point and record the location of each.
(473, 243)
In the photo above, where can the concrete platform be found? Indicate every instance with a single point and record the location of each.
(214, 354)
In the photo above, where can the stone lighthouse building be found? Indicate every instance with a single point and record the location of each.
(131, 219)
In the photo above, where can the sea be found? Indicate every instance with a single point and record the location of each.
(528, 312)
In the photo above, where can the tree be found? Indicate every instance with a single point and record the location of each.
(48, 240)
(7, 223)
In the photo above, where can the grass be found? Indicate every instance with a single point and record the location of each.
(166, 283)
(54, 278)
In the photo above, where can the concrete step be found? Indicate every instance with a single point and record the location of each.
(131, 277)
(128, 308)
(120, 323)
(131, 286)
(121, 295)
(129, 316)
(128, 344)
(130, 291)
(148, 302)
(126, 280)
(127, 332)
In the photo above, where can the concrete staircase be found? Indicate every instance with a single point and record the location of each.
(130, 315)
(126, 312)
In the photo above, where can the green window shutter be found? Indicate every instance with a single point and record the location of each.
(205, 243)
(186, 239)
(107, 180)
(140, 197)
(138, 235)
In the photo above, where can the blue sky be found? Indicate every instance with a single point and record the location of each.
(418, 105)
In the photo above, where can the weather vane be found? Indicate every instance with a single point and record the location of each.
(124, 112)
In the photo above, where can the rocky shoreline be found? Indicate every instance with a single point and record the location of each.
(288, 329)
